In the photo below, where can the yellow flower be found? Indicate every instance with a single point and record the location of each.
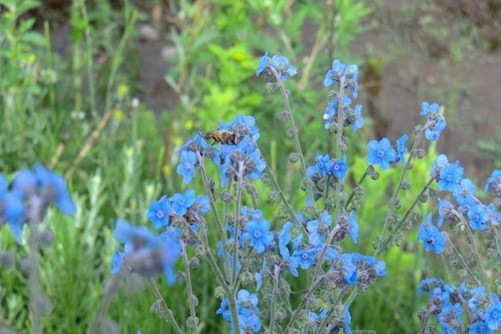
(118, 114)
(188, 125)
(122, 89)
(167, 169)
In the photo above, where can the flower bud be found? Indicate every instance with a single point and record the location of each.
(294, 157)
(46, 237)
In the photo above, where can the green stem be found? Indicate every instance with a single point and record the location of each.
(463, 262)
(359, 183)
(166, 311)
(295, 132)
(391, 208)
(110, 290)
(191, 295)
(331, 311)
(483, 273)
(402, 221)
(240, 175)
(276, 277)
(295, 315)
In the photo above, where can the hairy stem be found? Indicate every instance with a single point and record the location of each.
(295, 314)
(332, 310)
(276, 278)
(463, 262)
(166, 311)
(391, 209)
(191, 302)
(402, 221)
(295, 132)
(110, 290)
(240, 175)
(358, 184)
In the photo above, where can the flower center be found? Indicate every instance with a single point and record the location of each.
(380, 153)
(257, 234)
(160, 214)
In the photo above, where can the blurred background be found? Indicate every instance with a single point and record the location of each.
(106, 92)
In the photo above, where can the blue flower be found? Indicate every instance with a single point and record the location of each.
(12, 211)
(478, 217)
(339, 168)
(259, 276)
(479, 328)
(334, 74)
(203, 203)
(126, 233)
(494, 215)
(440, 162)
(53, 189)
(171, 253)
(381, 153)
(347, 321)
(259, 234)
(305, 257)
(322, 164)
(450, 314)
(353, 227)
(158, 213)
(428, 109)
(359, 121)
(432, 133)
(283, 67)
(435, 123)
(319, 229)
(464, 192)
(450, 176)
(429, 284)
(284, 239)
(262, 64)
(494, 182)
(313, 317)
(402, 148)
(186, 167)
(340, 73)
(139, 240)
(181, 202)
(446, 212)
(492, 315)
(432, 239)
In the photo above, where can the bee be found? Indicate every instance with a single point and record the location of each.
(221, 136)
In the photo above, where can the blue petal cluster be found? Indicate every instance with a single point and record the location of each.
(231, 158)
(451, 302)
(144, 252)
(277, 63)
(435, 122)
(187, 205)
(381, 153)
(432, 239)
(29, 195)
(325, 166)
(248, 312)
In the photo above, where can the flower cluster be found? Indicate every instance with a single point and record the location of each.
(277, 63)
(339, 107)
(234, 160)
(383, 154)
(185, 206)
(435, 122)
(248, 312)
(29, 195)
(144, 252)
(449, 303)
